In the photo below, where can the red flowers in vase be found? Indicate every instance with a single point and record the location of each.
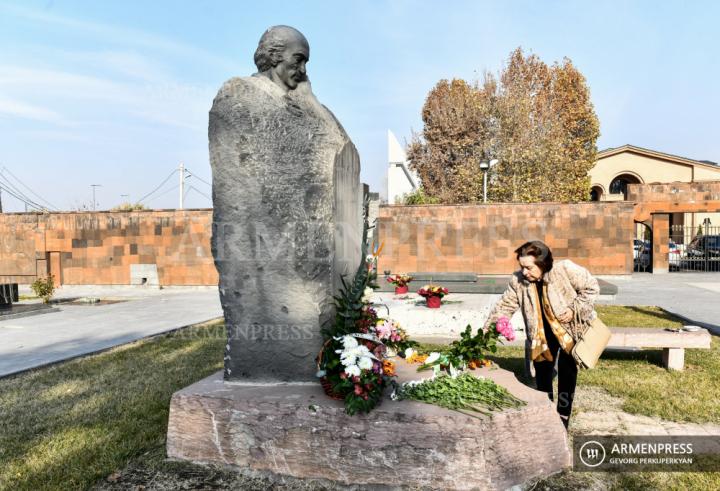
(401, 282)
(433, 295)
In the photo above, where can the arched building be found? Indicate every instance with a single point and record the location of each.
(617, 167)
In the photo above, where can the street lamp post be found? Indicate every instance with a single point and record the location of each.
(93, 188)
(485, 167)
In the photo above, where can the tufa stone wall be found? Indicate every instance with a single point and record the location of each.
(102, 248)
(99, 248)
(674, 197)
(481, 238)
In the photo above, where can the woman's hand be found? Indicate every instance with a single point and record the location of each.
(566, 316)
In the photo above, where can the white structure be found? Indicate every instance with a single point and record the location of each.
(400, 179)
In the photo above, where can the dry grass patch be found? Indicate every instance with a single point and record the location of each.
(66, 426)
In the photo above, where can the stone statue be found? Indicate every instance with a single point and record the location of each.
(287, 212)
(281, 56)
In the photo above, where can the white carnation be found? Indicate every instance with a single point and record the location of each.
(353, 370)
(348, 359)
(365, 363)
(367, 294)
(349, 341)
(363, 350)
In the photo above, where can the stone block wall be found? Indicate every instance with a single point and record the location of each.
(100, 247)
(674, 197)
(481, 238)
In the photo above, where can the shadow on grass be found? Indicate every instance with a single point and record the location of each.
(637, 316)
(71, 424)
(513, 360)
(653, 357)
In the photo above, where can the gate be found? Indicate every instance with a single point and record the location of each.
(694, 248)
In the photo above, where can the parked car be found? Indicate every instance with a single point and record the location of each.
(674, 254)
(638, 245)
(704, 253)
(642, 254)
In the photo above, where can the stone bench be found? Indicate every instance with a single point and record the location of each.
(672, 343)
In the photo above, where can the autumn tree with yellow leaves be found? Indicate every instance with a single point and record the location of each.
(537, 120)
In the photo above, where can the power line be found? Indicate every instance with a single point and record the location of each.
(30, 203)
(14, 191)
(198, 178)
(161, 185)
(164, 193)
(5, 169)
(193, 188)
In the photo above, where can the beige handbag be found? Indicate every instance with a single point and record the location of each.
(590, 345)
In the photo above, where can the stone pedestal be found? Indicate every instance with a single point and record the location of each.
(293, 429)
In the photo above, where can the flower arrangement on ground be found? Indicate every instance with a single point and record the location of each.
(433, 291)
(361, 375)
(393, 335)
(458, 389)
(470, 350)
(433, 295)
(412, 356)
(462, 393)
(352, 364)
(400, 281)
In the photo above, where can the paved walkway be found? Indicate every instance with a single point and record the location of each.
(693, 296)
(77, 330)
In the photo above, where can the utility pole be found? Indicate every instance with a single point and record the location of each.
(1, 200)
(93, 186)
(182, 184)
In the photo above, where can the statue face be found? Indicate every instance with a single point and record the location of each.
(290, 71)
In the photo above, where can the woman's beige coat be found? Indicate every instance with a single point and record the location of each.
(568, 286)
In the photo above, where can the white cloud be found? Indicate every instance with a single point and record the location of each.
(121, 35)
(80, 98)
(20, 109)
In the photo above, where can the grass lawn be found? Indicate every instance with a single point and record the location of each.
(638, 377)
(73, 424)
(66, 426)
(648, 389)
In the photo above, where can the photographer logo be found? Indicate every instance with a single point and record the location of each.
(592, 453)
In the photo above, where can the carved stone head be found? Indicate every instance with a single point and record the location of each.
(281, 56)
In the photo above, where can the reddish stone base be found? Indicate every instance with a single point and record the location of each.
(295, 430)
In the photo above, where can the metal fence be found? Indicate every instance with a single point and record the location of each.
(694, 248)
(642, 248)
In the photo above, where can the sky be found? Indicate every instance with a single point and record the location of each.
(117, 94)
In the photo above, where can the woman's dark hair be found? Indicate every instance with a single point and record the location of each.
(542, 254)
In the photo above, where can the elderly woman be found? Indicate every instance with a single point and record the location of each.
(556, 301)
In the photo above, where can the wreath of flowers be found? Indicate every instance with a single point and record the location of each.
(353, 364)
